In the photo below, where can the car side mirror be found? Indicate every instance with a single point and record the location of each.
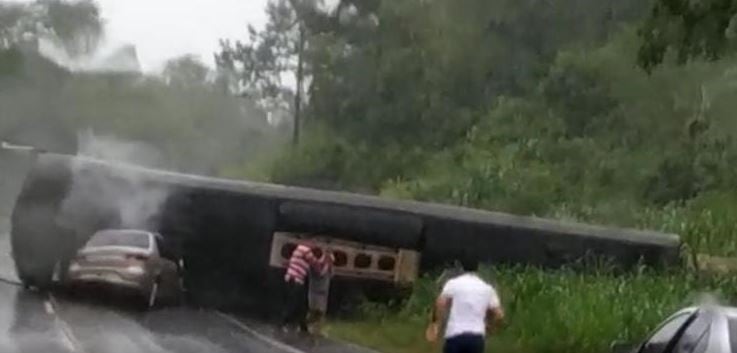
(622, 347)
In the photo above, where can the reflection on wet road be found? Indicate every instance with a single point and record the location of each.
(35, 323)
(111, 330)
(26, 325)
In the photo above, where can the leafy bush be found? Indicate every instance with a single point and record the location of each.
(707, 224)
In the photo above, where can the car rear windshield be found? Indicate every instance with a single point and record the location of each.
(120, 238)
(733, 334)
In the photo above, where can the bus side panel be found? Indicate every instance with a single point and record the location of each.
(227, 253)
(494, 243)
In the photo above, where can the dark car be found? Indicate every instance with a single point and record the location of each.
(128, 259)
(708, 329)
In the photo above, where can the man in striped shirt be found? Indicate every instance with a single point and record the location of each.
(295, 306)
(319, 289)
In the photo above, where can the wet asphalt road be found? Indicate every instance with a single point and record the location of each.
(38, 323)
(32, 322)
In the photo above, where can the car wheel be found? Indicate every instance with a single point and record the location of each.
(153, 294)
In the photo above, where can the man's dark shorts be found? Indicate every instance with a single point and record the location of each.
(295, 305)
(466, 343)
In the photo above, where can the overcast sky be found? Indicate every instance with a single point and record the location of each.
(163, 29)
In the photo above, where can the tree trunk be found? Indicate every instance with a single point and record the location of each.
(298, 95)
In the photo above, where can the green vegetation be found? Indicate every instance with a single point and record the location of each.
(598, 111)
(549, 312)
(525, 107)
(594, 111)
(687, 30)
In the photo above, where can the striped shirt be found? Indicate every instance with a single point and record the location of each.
(299, 264)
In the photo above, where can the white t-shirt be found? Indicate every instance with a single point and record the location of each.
(470, 297)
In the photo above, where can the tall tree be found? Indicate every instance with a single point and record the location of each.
(17, 20)
(689, 29)
(76, 23)
(413, 72)
(270, 65)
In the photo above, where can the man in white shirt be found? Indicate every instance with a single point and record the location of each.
(474, 308)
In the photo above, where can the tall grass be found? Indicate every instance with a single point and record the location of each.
(549, 311)
(581, 310)
(705, 229)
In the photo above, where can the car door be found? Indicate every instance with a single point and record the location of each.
(660, 341)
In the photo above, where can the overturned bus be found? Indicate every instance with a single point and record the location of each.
(235, 236)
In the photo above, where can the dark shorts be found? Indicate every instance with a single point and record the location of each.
(295, 305)
(466, 343)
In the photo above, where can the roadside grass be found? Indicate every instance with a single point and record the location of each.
(548, 311)
(586, 308)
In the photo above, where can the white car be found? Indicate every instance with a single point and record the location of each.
(127, 259)
(707, 329)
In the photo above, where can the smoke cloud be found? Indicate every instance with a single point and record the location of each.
(112, 198)
(112, 149)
